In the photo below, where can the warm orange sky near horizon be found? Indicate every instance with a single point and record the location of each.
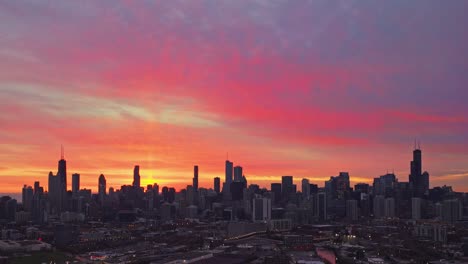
(298, 88)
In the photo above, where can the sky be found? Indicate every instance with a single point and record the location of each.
(302, 88)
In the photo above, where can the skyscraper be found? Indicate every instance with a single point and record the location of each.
(276, 190)
(261, 210)
(379, 206)
(195, 178)
(102, 188)
(321, 207)
(286, 186)
(136, 176)
(62, 172)
(452, 210)
(416, 208)
(238, 173)
(351, 210)
(62, 182)
(390, 207)
(75, 183)
(36, 187)
(228, 179)
(217, 184)
(419, 181)
(28, 194)
(305, 188)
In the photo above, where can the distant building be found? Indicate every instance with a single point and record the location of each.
(217, 184)
(261, 210)
(305, 188)
(27, 197)
(276, 190)
(238, 173)
(352, 210)
(102, 188)
(75, 183)
(321, 207)
(390, 207)
(379, 206)
(136, 176)
(228, 176)
(195, 178)
(286, 186)
(452, 210)
(416, 208)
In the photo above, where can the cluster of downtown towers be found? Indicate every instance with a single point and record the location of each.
(386, 197)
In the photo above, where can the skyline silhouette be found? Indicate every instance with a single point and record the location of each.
(232, 172)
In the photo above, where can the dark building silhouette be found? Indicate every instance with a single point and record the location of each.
(75, 183)
(361, 187)
(217, 184)
(286, 186)
(102, 188)
(228, 176)
(27, 197)
(276, 190)
(136, 176)
(419, 181)
(237, 190)
(195, 178)
(238, 173)
(36, 187)
(313, 188)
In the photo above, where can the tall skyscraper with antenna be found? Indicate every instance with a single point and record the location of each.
(419, 181)
(62, 180)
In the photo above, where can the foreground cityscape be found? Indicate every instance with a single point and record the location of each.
(389, 221)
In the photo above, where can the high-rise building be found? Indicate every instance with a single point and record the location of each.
(276, 190)
(305, 188)
(136, 176)
(237, 190)
(195, 178)
(75, 183)
(102, 188)
(390, 207)
(286, 186)
(321, 206)
(452, 210)
(419, 181)
(379, 206)
(54, 192)
(416, 208)
(361, 187)
(338, 186)
(313, 188)
(228, 176)
(28, 194)
(261, 210)
(238, 173)
(62, 182)
(217, 184)
(36, 187)
(352, 210)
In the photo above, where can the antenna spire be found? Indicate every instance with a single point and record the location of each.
(62, 152)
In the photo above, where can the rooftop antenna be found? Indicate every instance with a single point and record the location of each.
(419, 144)
(61, 152)
(415, 143)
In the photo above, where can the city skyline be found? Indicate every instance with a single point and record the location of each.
(295, 88)
(416, 170)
